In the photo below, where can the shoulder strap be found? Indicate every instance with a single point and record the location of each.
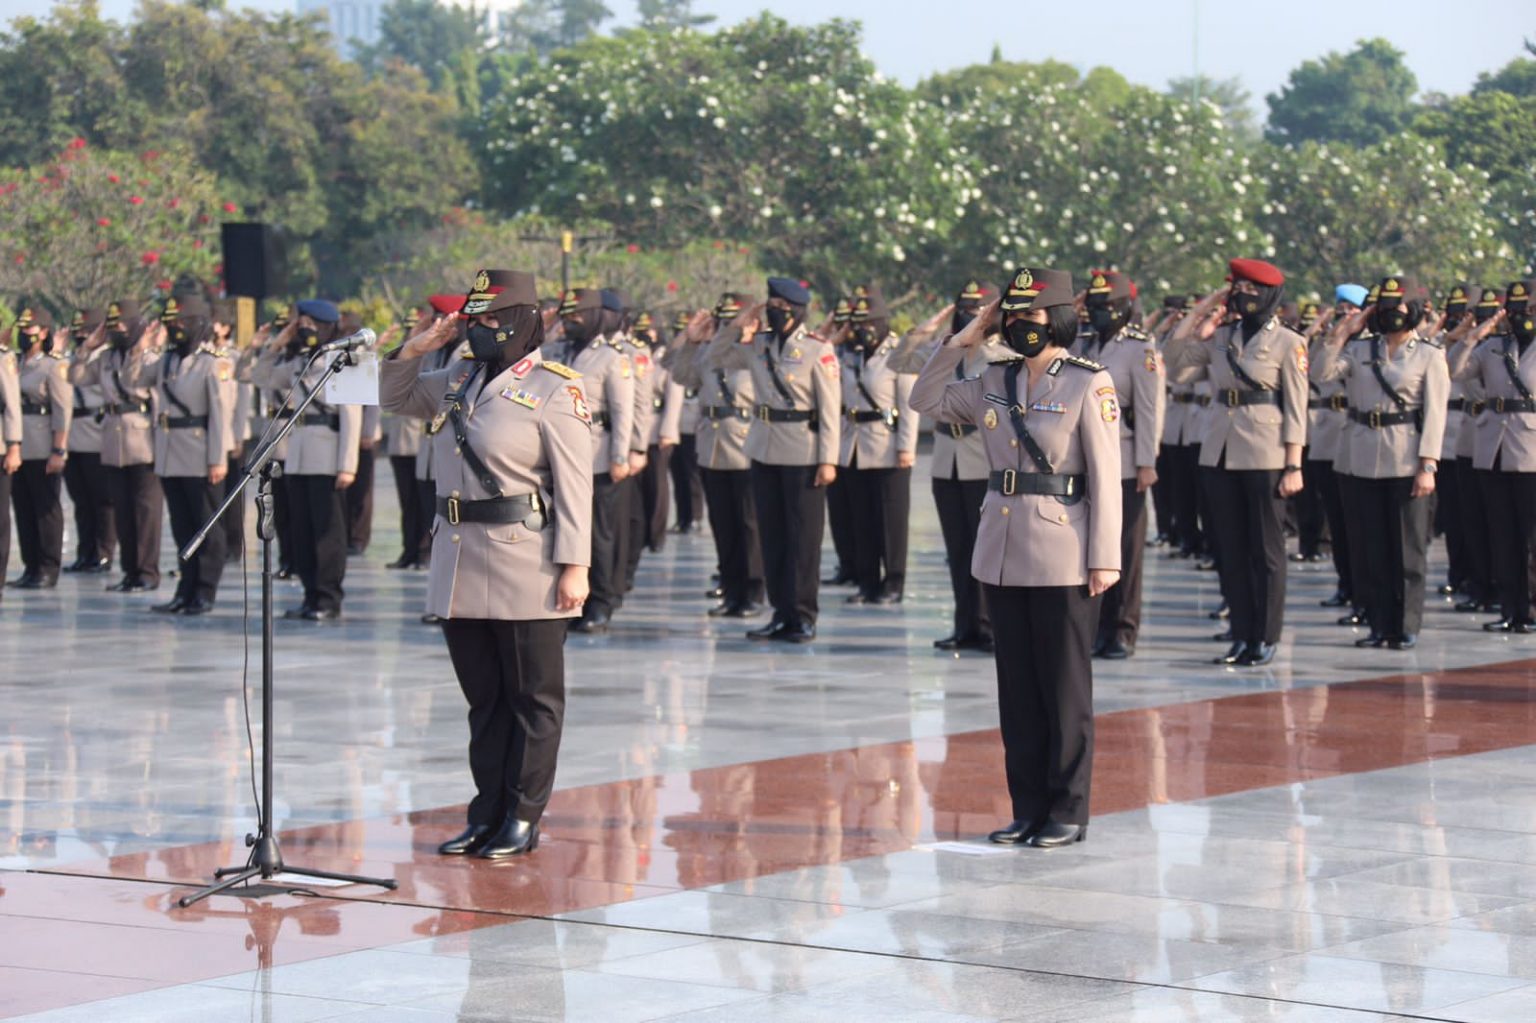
(1381, 378)
(455, 400)
(858, 381)
(725, 387)
(1016, 417)
(165, 385)
(1238, 371)
(773, 373)
(1512, 367)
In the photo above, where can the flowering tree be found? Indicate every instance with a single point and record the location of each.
(87, 227)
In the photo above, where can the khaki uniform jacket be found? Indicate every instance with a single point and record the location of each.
(808, 368)
(532, 429)
(44, 380)
(85, 427)
(1031, 539)
(1141, 384)
(643, 364)
(608, 380)
(1508, 436)
(403, 435)
(126, 436)
(1324, 425)
(313, 449)
(875, 444)
(721, 439)
(666, 400)
(1251, 436)
(10, 400)
(1418, 373)
(959, 450)
(201, 383)
(432, 361)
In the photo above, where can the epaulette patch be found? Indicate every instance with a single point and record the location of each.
(560, 369)
(1080, 363)
(1434, 342)
(1135, 333)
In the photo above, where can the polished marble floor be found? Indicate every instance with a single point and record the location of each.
(744, 833)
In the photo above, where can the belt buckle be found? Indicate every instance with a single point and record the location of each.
(1010, 482)
(762, 413)
(1232, 398)
(1071, 486)
(453, 511)
(1498, 405)
(1373, 419)
(165, 421)
(956, 430)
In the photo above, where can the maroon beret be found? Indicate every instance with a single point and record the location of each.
(1257, 271)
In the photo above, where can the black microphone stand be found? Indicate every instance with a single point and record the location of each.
(266, 860)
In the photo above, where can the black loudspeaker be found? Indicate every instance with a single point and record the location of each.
(254, 262)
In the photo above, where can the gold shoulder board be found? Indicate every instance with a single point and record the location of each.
(561, 370)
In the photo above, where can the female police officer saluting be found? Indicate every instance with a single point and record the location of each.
(1049, 540)
(511, 543)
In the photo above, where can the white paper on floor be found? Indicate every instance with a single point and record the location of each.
(300, 881)
(965, 848)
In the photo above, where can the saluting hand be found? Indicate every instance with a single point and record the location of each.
(572, 588)
(698, 330)
(937, 320)
(442, 330)
(1101, 579)
(1488, 327)
(1321, 323)
(751, 321)
(976, 331)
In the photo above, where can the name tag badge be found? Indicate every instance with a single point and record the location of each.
(527, 399)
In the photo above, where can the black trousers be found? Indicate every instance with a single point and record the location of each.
(1250, 543)
(191, 501)
(513, 676)
(39, 519)
(733, 521)
(1510, 500)
(359, 503)
(1394, 530)
(687, 482)
(1045, 697)
(656, 495)
(840, 517)
(881, 500)
(138, 505)
(1352, 513)
(426, 501)
(1311, 519)
(95, 532)
(1183, 484)
(609, 549)
(1476, 539)
(5, 524)
(233, 521)
(282, 524)
(791, 516)
(1318, 476)
(959, 506)
(318, 519)
(412, 528)
(1162, 500)
(1120, 606)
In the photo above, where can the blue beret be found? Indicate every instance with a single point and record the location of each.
(1351, 293)
(790, 290)
(320, 310)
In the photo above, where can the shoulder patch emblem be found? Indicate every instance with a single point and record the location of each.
(1109, 410)
(1151, 360)
(63, 369)
(579, 403)
(560, 369)
(225, 369)
(1301, 357)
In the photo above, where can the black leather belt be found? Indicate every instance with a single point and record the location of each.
(82, 410)
(1456, 405)
(1337, 403)
(141, 407)
(183, 422)
(1233, 397)
(285, 413)
(769, 414)
(496, 511)
(1185, 399)
(1508, 406)
(1376, 420)
(330, 420)
(602, 419)
(725, 412)
(1009, 482)
(958, 430)
(868, 416)
(29, 408)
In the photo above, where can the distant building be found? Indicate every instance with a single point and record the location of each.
(353, 23)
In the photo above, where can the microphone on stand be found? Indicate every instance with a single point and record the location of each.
(364, 338)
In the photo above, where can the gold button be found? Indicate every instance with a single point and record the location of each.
(1005, 509)
(454, 494)
(1014, 442)
(455, 538)
(1061, 518)
(457, 451)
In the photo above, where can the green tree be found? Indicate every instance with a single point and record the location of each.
(1518, 78)
(427, 35)
(671, 14)
(545, 26)
(1234, 101)
(1361, 97)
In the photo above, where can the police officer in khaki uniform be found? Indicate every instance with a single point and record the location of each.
(617, 319)
(879, 448)
(793, 444)
(609, 383)
(840, 518)
(1479, 588)
(10, 447)
(511, 543)
(1397, 384)
(726, 401)
(321, 461)
(95, 532)
(666, 431)
(448, 306)
(1258, 374)
(959, 463)
(1131, 359)
(128, 344)
(47, 407)
(1327, 410)
(1049, 542)
(192, 442)
(687, 484)
(1496, 361)
(403, 440)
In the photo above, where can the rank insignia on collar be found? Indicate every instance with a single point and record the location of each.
(527, 399)
(990, 418)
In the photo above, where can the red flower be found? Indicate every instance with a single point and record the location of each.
(103, 221)
(197, 243)
(163, 285)
(174, 203)
(218, 268)
(20, 259)
(137, 200)
(114, 178)
(719, 245)
(803, 284)
(672, 286)
(632, 249)
(150, 258)
(202, 218)
(230, 207)
(77, 143)
(151, 155)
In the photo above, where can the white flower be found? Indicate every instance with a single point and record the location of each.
(1170, 170)
(656, 202)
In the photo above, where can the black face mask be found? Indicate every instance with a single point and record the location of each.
(118, 336)
(178, 335)
(1026, 338)
(962, 318)
(645, 337)
(1105, 320)
(1482, 314)
(1244, 304)
(866, 337)
(308, 337)
(577, 331)
(1522, 325)
(484, 342)
(1389, 320)
(781, 322)
(1454, 314)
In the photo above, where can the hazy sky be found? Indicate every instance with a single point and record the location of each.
(1447, 44)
